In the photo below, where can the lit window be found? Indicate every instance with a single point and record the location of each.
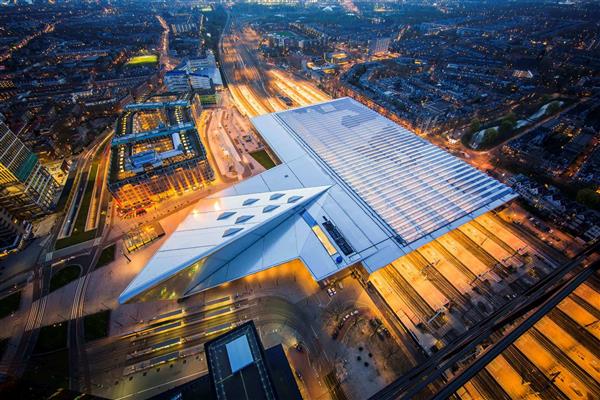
(324, 240)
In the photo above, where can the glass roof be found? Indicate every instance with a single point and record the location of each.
(413, 186)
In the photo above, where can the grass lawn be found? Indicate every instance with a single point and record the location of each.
(51, 338)
(144, 59)
(75, 239)
(10, 304)
(64, 196)
(106, 257)
(79, 234)
(95, 326)
(64, 276)
(3, 346)
(44, 374)
(263, 159)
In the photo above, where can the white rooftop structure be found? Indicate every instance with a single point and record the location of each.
(353, 187)
(239, 353)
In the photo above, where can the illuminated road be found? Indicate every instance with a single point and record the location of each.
(43, 270)
(26, 40)
(167, 62)
(128, 359)
(256, 87)
(83, 165)
(78, 364)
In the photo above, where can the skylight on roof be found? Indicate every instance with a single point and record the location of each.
(294, 199)
(243, 218)
(225, 215)
(269, 208)
(275, 196)
(231, 231)
(247, 202)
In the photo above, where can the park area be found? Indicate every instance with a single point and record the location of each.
(79, 234)
(143, 59)
(95, 325)
(263, 159)
(10, 304)
(64, 276)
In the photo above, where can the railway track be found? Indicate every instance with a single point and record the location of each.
(438, 280)
(567, 362)
(488, 387)
(531, 373)
(486, 291)
(541, 297)
(579, 333)
(556, 255)
(594, 283)
(454, 260)
(517, 285)
(408, 294)
(585, 305)
(505, 246)
(473, 247)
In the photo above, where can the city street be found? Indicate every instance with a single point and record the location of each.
(255, 87)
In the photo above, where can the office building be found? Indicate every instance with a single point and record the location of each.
(199, 81)
(12, 232)
(379, 45)
(27, 190)
(239, 368)
(198, 74)
(156, 153)
(177, 81)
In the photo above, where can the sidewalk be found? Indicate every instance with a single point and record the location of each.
(16, 328)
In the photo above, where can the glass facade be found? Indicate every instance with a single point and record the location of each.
(413, 186)
(27, 189)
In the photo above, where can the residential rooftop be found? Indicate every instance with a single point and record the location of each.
(157, 134)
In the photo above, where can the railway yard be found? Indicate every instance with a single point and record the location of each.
(444, 288)
(436, 294)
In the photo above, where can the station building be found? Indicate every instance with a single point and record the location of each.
(353, 188)
(156, 152)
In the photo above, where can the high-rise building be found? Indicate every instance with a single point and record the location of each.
(379, 45)
(240, 368)
(27, 189)
(196, 74)
(12, 232)
(177, 81)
